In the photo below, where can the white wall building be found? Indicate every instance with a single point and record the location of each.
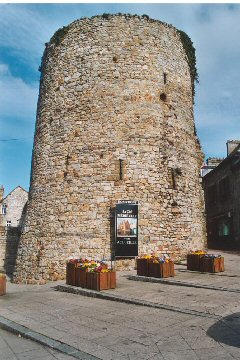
(12, 207)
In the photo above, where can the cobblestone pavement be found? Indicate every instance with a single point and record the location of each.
(118, 331)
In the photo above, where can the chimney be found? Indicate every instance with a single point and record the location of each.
(232, 145)
(1, 192)
(214, 162)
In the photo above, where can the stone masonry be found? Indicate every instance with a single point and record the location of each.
(112, 88)
(15, 205)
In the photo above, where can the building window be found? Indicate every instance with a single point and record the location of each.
(9, 223)
(224, 188)
(223, 228)
(4, 209)
(212, 194)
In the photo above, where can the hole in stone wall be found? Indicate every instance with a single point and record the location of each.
(115, 59)
(178, 171)
(101, 155)
(163, 96)
(174, 174)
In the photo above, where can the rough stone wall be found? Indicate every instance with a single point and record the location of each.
(1, 198)
(9, 240)
(2, 246)
(100, 102)
(9, 236)
(15, 201)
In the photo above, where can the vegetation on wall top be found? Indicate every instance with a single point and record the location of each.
(59, 35)
(191, 57)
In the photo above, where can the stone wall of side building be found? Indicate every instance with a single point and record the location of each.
(9, 240)
(14, 202)
(10, 226)
(116, 88)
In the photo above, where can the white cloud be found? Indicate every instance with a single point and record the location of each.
(24, 31)
(17, 98)
(3, 69)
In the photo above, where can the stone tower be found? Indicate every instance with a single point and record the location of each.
(114, 121)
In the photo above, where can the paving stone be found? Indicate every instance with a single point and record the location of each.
(179, 355)
(173, 343)
(13, 347)
(126, 331)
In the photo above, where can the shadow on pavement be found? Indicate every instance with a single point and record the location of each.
(227, 330)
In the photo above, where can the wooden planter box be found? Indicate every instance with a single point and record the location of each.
(221, 266)
(161, 270)
(81, 277)
(101, 281)
(89, 280)
(112, 275)
(171, 268)
(71, 273)
(154, 269)
(212, 265)
(142, 267)
(193, 262)
(3, 282)
(165, 270)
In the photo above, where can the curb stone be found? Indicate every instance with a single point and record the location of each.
(179, 283)
(64, 348)
(106, 296)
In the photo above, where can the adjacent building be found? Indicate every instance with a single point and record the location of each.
(222, 197)
(12, 212)
(13, 207)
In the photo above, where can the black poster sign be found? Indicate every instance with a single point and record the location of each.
(126, 228)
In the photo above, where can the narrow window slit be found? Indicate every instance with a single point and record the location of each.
(173, 179)
(164, 78)
(120, 169)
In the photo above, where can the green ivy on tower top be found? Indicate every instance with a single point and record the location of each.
(60, 34)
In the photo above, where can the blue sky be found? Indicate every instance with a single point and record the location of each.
(24, 29)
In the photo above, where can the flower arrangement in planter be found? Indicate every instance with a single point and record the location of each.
(92, 274)
(3, 282)
(203, 262)
(155, 266)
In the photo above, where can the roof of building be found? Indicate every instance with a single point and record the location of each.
(225, 161)
(14, 190)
